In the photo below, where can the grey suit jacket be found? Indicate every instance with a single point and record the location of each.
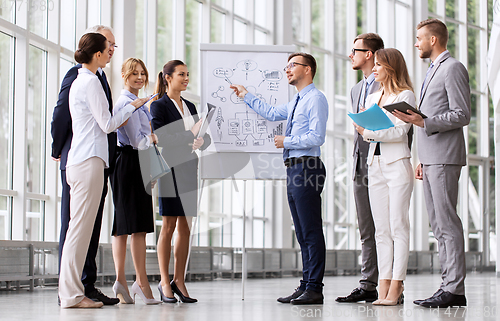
(360, 146)
(445, 100)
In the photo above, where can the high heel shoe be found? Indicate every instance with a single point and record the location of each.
(184, 299)
(399, 300)
(136, 289)
(165, 298)
(377, 302)
(122, 293)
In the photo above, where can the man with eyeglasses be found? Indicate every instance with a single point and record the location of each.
(62, 134)
(306, 117)
(363, 58)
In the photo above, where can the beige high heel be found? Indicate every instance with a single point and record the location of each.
(399, 300)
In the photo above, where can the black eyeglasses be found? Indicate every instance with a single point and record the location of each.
(292, 65)
(353, 51)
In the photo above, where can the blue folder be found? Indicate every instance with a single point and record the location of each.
(373, 118)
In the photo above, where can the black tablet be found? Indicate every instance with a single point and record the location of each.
(403, 106)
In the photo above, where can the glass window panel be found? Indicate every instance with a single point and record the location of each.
(4, 217)
(164, 33)
(237, 232)
(258, 198)
(36, 119)
(34, 220)
(490, 17)
(453, 41)
(318, 23)
(64, 66)
(237, 199)
(193, 25)
(342, 180)
(68, 13)
(94, 13)
(261, 13)
(217, 27)
(240, 32)
(403, 42)
(139, 30)
(260, 37)
(214, 198)
(474, 55)
(221, 3)
(474, 124)
(432, 5)
(341, 96)
(6, 109)
(8, 10)
(361, 12)
(258, 234)
(452, 7)
(341, 27)
(215, 230)
(38, 14)
(297, 20)
(474, 207)
(473, 11)
(319, 78)
(240, 8)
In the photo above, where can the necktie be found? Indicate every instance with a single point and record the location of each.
(105, 86)
(288, 132)
(362, 98)
(425, 80)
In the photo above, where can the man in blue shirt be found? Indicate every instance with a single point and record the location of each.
(306, 117)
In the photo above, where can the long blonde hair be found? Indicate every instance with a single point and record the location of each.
(397, 79)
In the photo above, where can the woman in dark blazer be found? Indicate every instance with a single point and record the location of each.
(176, 123)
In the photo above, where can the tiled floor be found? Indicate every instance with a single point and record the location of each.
(221, 300)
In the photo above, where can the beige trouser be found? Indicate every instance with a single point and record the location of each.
(86, 182)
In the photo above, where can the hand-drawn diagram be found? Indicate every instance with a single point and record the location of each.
(219, 120)
(215, 94)
(236, 126)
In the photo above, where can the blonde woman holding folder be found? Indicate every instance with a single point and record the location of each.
(390, 176)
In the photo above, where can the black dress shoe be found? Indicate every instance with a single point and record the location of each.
(165, 298)
(358, 295)
(182, 297)
(97, 296)
(308, 297)
(444, 300)
(292, 296)
(438, 293)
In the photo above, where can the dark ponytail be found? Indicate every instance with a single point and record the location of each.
(89, 44)
(161, 82)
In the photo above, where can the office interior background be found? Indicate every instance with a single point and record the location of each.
(38, 39)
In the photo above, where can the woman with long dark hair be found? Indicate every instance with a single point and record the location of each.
(390, 176)
(87, 159)
(176, 123)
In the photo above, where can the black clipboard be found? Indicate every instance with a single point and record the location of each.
(403, 106)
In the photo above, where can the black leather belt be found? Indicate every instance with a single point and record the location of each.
(289, 162)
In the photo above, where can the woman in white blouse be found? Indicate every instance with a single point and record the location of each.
(175, 122)
(390, 176)
(87, 159)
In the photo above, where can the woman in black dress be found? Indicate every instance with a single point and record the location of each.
(176, 123)
(133, 201)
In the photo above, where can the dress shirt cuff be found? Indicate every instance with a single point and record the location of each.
(287, 142)
(144, 143)
(248, 98)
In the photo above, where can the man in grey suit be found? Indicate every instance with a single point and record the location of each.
(445, 100)
(362, 58)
